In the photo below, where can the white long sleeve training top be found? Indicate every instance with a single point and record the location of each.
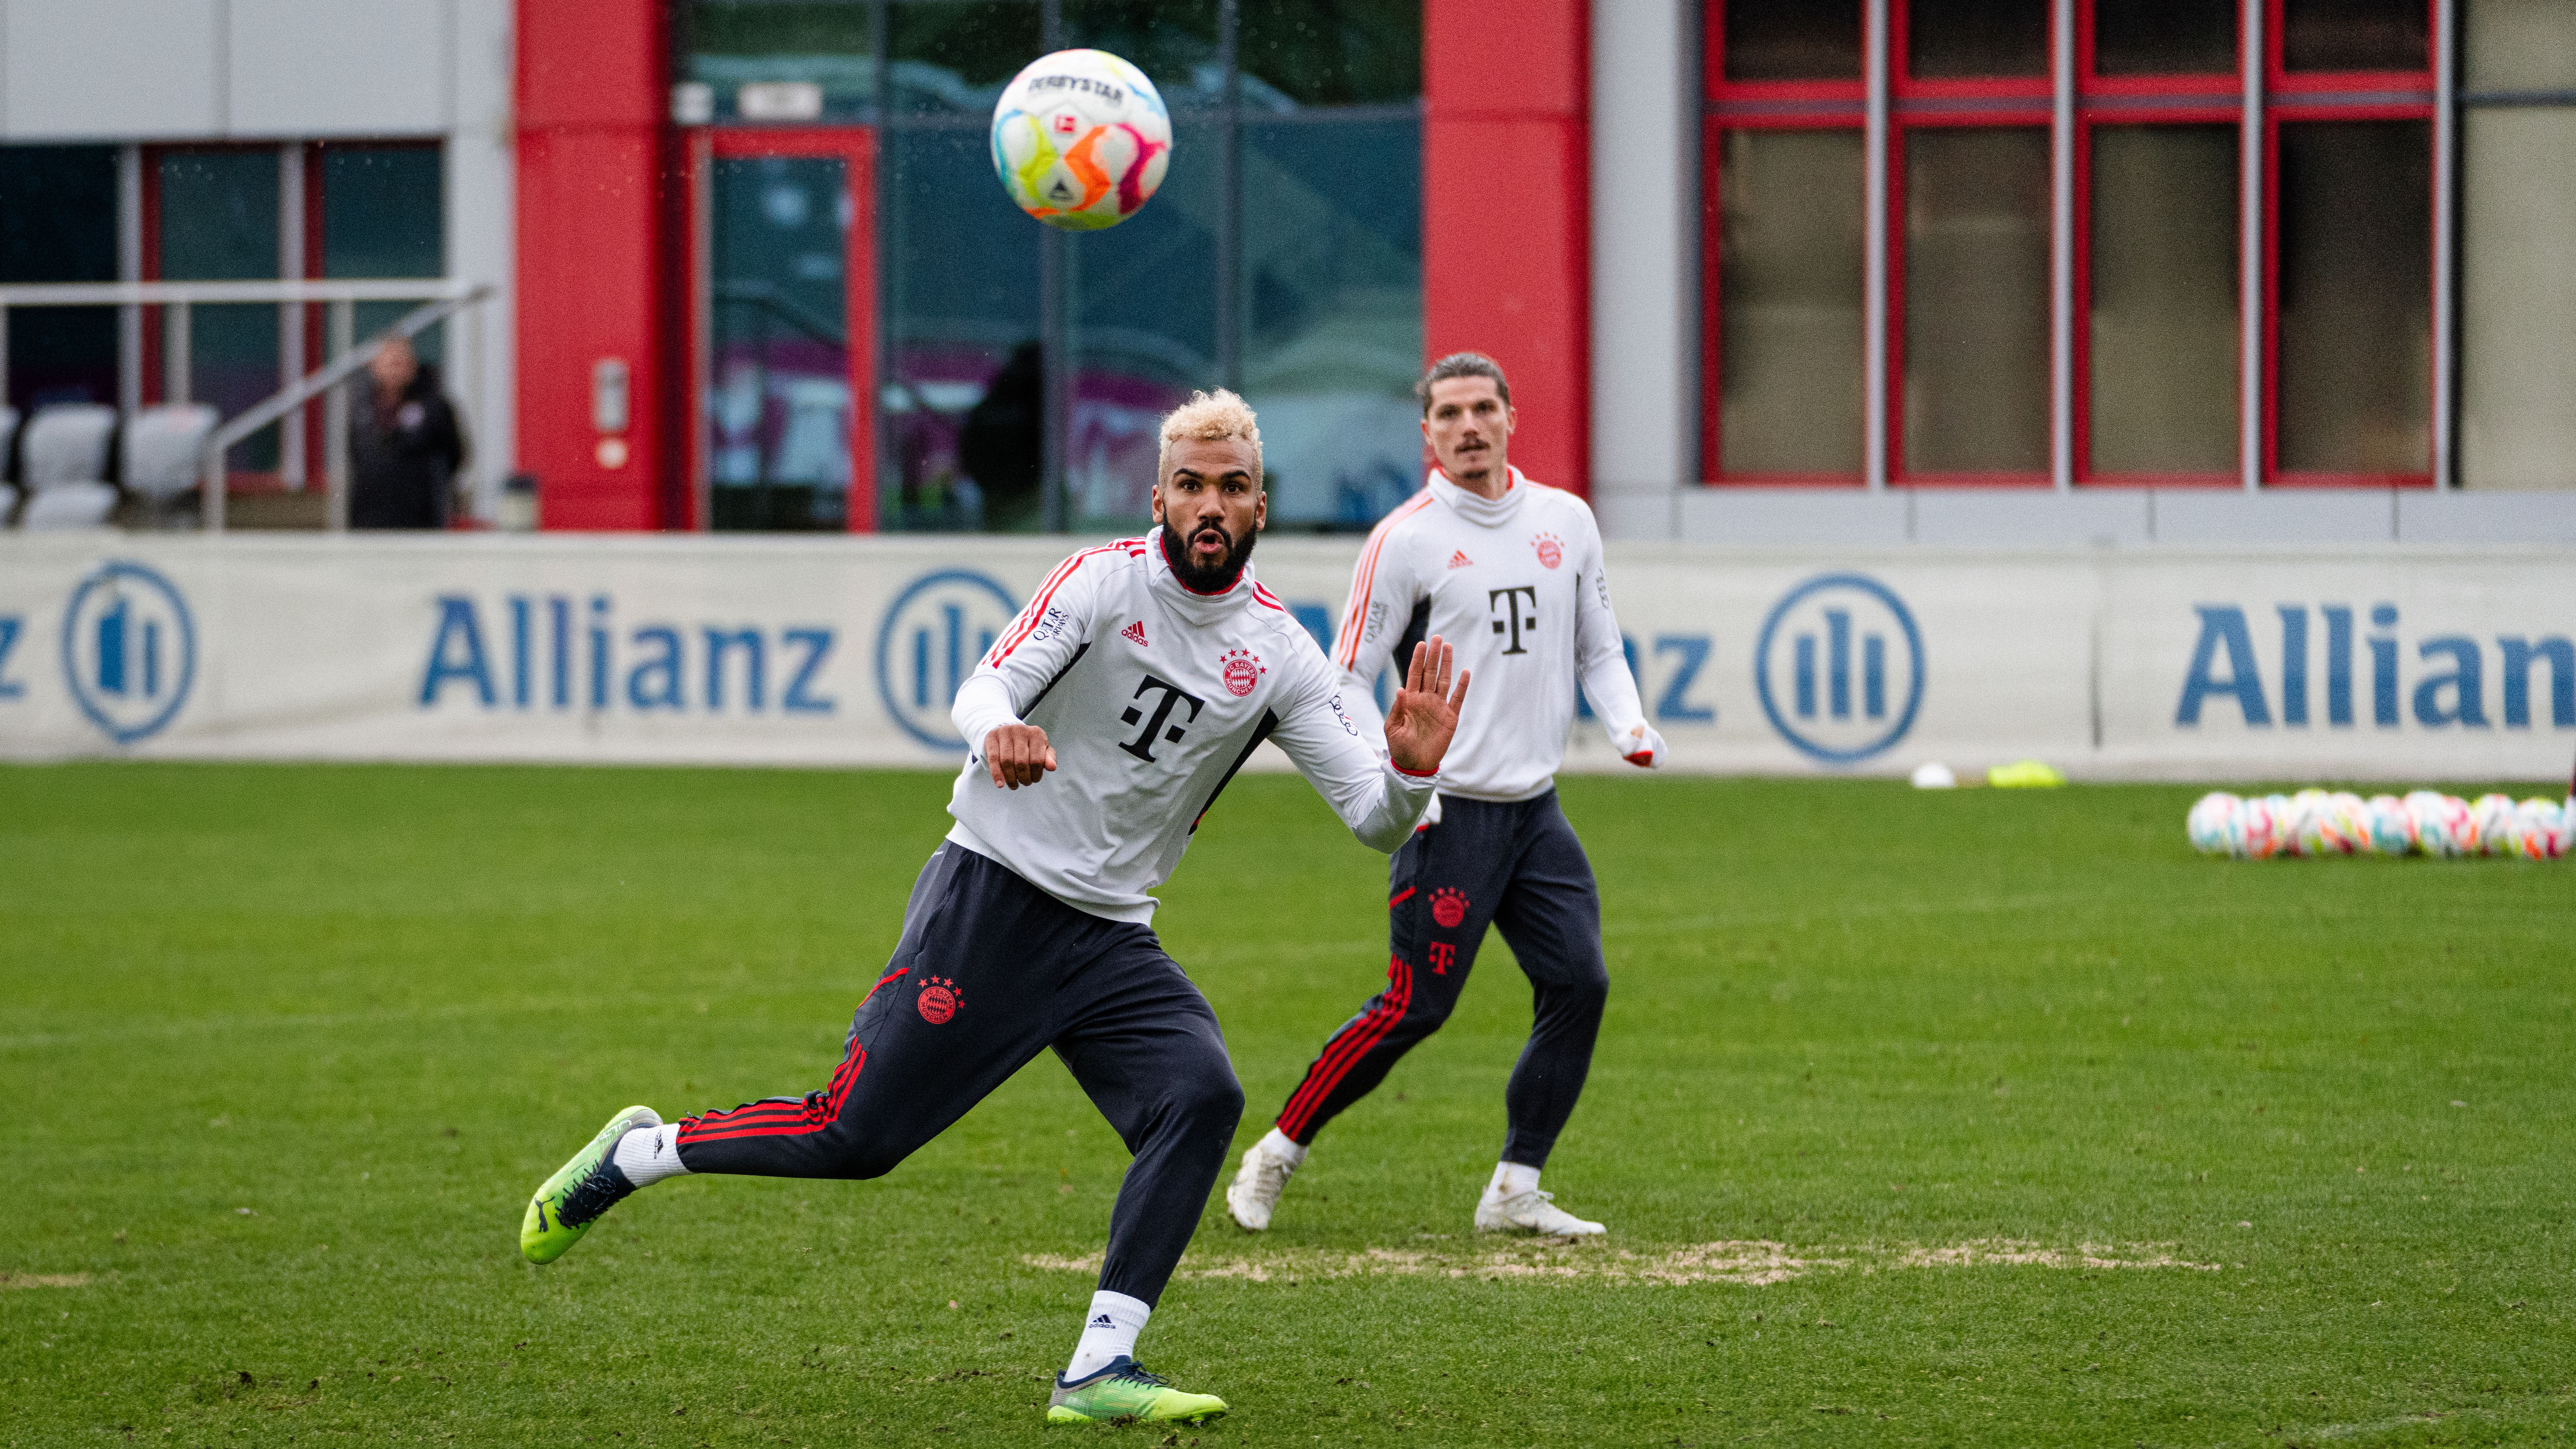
(1516, 586)
(1152, 697)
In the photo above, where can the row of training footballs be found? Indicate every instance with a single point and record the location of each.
(2319, 822)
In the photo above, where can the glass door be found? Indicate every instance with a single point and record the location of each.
(786, 331)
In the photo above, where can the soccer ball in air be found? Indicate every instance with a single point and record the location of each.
(1081, 139)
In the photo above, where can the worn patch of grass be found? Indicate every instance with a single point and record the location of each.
(2103, 1143)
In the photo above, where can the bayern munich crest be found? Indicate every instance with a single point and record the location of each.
(939, 1000)
(1551, 549)
(1242, 670)
(1448, 907)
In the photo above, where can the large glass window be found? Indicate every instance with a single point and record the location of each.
(2162, 299)
(1790, 301)
(1332, 266)
(384, 215)
(219, 221)
(779, 420)
(2355, 34)
(2355, 280)
(2083, 318)
(1141, 297)
(2164, 37)
(1976, 39)
(1336, 53)
(1282, 255)
(58, 224)
(1790, 40)
(1976, 300)
(2518, 212)
(803, 59)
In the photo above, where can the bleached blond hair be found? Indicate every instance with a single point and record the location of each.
(1212, 417)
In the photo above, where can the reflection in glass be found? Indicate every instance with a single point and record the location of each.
(2164, 37)
(2355, 270)
(960, 420)
(1140, 295)
(1788, 40)
(956, 55)
(1141, 301)
(2163, 299)
(2520, 45)
(2355, 35)
(384, 215)
(1964, 39)
(778, 414)
(219, 223)
(727, 44)
(1789, 309)
(1332, 281)
(58, 224)
(2517, 299)
(1976, 300)
(1173, 41)
(1328, 52)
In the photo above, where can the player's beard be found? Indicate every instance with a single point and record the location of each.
(1217, 578)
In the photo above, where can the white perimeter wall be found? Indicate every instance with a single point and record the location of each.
(2365, 662)
(1645, 262)
(152, 71)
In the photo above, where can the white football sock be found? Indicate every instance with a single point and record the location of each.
(1284, 1147)
(1108, 1330)
(1511, 1180)
(648, 1154)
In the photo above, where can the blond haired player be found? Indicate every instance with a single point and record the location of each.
(1511, 569)
(1103, 723)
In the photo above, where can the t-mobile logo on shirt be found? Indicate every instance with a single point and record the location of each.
(1173, 696)
(1508, 603)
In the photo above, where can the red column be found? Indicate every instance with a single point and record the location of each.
(1506, 252)
(592, 94)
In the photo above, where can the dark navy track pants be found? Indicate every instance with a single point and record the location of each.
(990, 971)
(1515, 866)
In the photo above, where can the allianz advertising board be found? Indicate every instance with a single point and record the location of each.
(2382, 664)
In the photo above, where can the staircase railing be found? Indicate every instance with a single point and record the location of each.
(437, 299)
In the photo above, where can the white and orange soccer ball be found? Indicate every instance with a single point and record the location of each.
(2216, 824)
(1081, 139)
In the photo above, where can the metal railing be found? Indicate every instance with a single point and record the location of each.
(436, 299)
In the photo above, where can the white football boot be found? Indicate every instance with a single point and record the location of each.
(1533, 1212)
(1256, 1186)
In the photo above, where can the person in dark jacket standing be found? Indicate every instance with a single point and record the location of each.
(404, 444)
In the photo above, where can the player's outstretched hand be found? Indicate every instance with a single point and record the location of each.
(1643, 747)
(1016, 755)
(1424, 717)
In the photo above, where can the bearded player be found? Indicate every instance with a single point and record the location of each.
(1140, 677)
(1513, 570)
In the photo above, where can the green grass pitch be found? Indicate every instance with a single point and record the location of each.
(2063, 1135)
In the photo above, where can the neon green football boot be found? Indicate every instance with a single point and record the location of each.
(1124, 1393)
(580, 1191)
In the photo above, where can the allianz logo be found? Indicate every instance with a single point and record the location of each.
(562, 653)
(2333, 665)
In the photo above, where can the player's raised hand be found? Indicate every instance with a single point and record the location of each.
(1424, 717)
(1016, 755)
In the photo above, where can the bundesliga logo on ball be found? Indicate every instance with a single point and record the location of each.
(1081, 139)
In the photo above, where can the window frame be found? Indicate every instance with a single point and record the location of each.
(2281, 97)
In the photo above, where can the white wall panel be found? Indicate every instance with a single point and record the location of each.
(1645, 250)
(342, 67)
(111, 69)
(481, 241)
